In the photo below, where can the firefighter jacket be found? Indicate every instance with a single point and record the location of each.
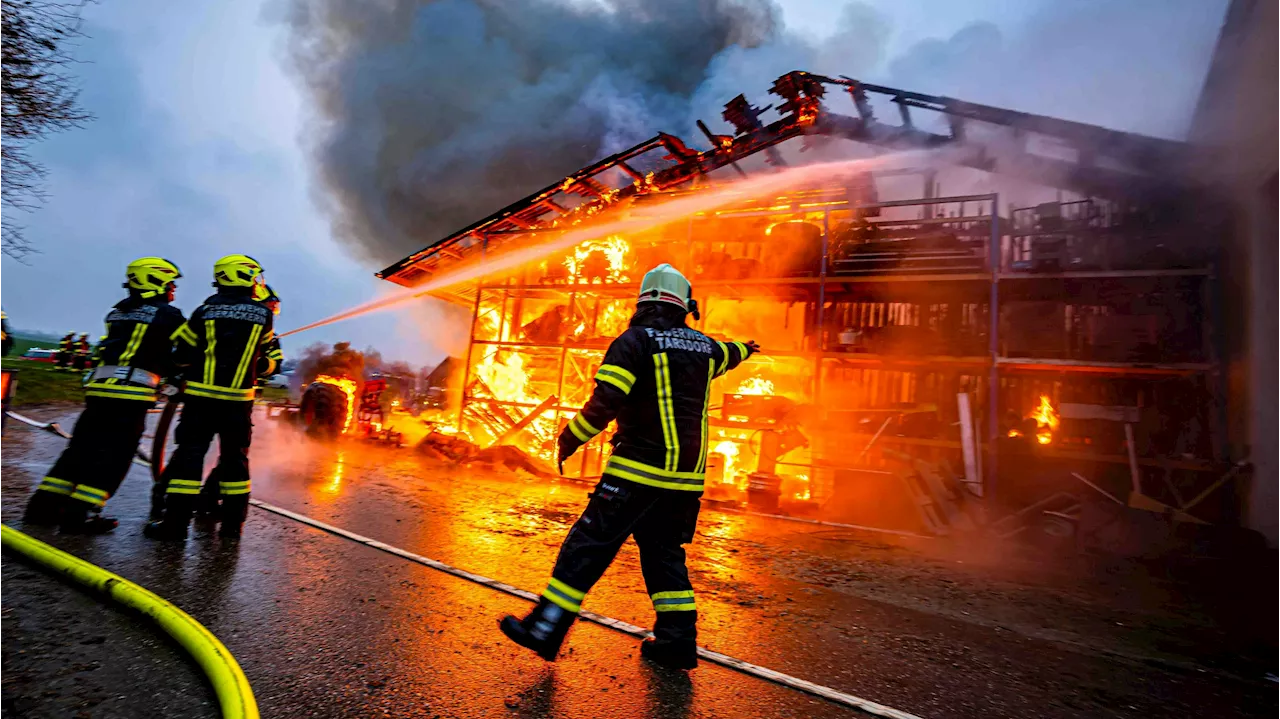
(657, 384)
(134, 356)
(224, 346)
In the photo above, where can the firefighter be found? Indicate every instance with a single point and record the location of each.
(6, 337)
(222, 350)
(82, 351)
(134, 359)
(66, 349)
(656, 382)
(208, 506)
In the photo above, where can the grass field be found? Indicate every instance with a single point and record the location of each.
(40, 383)
(22, 343)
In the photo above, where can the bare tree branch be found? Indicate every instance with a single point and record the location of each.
(40, 97)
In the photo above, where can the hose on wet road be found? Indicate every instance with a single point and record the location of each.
(230, 685)
(724, 660)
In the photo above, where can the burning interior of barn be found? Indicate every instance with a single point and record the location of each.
(1016, 330)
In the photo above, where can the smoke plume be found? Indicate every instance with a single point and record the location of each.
(430, 114)
(434, 114)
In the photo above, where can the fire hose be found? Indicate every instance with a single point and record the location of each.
(235, 696)
(838, 697)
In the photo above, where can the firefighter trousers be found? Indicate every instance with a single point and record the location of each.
(102, 446)
(231, 421)
(662, 521)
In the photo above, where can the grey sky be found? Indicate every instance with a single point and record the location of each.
(195, 151)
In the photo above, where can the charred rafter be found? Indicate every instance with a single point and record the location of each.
(1147, 162)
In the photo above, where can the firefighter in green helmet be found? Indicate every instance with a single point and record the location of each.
(656, 383)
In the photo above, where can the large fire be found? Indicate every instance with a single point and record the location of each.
(756, 385)
(503, 376)
(616, 252)
(348, 388)
(729, 450)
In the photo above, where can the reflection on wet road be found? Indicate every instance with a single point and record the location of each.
(325, 627)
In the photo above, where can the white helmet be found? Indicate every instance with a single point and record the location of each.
(664, 283)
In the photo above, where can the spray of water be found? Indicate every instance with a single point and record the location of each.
(654, 216)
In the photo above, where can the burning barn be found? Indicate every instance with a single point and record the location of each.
(1020, 314)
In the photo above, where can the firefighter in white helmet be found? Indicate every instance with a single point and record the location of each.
(656, 382)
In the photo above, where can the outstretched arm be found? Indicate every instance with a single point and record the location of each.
(733, 354)
(614, 381)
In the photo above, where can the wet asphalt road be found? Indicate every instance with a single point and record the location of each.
(324, 627)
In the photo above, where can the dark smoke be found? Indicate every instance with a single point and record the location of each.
(337, 360)
(430, 115)
(434, 114)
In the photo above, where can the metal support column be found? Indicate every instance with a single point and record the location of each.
(993, 378)
(822, 302)
(471, 343)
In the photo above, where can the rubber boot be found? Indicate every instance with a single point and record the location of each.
(234, 509)
(45, 508)
(673, 655)
(208, 504)
(173, 527)
(543, 630)
(157, 501)
(84, 519)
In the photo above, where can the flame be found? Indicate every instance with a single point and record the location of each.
(756, 385)
(803, 494)
(729, 450)
(348, 388)
(1046, 421)
(507, 380)
(616, 249)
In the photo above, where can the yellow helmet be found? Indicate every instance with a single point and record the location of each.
(237, 271)
(151, 276)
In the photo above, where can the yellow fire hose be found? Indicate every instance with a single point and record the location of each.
(235, 696)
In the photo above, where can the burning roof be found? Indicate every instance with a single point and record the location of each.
(1085, 158)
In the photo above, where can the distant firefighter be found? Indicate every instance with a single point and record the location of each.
(133, 359)
(66, 350)
(6, 337)
(656, 382)
(83, 350)
(222, 349)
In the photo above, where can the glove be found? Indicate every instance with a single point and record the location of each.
(752, 348)
(566, 445)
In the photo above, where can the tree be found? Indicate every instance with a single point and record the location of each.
(40, 97)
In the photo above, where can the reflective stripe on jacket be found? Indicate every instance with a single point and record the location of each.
(223, 347)
(137, 335)
(657, 384)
